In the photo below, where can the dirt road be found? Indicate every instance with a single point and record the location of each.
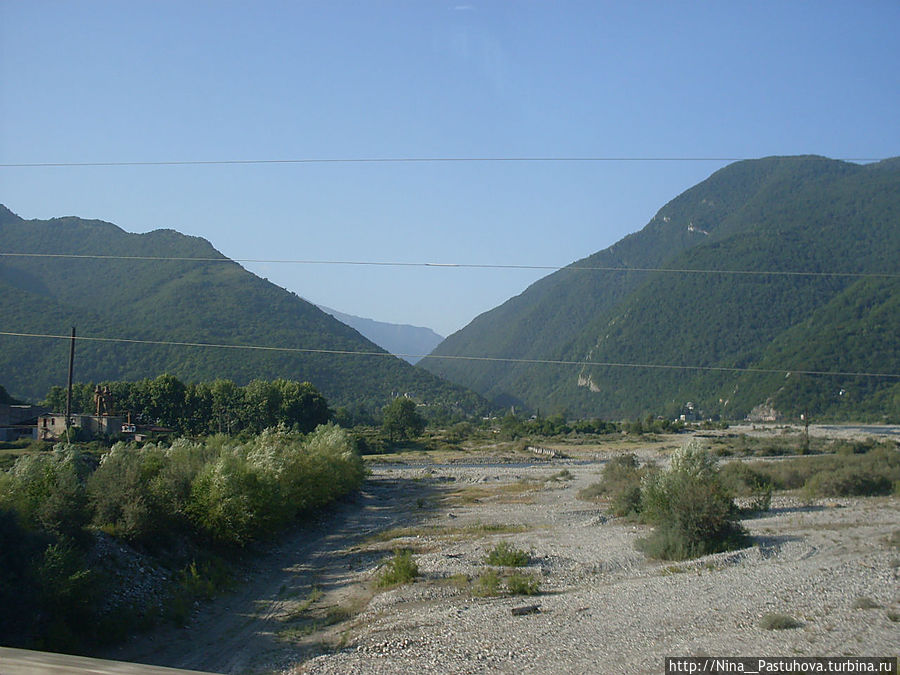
(249, 630)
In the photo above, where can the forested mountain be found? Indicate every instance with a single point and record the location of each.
(212, 301)
(782, 214)
(409, 342)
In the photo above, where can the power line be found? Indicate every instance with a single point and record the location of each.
(495, 359)
(374, 263)
(400, 160)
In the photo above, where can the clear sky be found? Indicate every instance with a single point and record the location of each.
(185, 80)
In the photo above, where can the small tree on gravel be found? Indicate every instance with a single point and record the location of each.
(692, 512)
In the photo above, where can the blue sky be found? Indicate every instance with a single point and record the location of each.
(160, 81)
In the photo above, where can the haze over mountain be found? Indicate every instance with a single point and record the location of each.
(688, 330)
(408, 342)
(213, 301)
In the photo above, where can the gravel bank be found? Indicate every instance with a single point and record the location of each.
(602, 606)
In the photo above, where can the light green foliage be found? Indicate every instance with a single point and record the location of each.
(875, 472)
(401, 569)
(506, 555)
(251, 490)
(523, 584)
(487, 584)
(172, 500)
(47, 491)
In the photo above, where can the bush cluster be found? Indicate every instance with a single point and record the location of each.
(620, 483)
(861, 469)
(222, 493)
(689, 505)
(691, 509)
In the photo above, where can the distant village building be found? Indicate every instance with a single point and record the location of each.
(52, 426)
(18, 421)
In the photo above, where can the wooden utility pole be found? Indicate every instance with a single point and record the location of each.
(69, 387)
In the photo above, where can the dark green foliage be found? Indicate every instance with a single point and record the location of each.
(838, 475)
(220, 406)
(223, 493)
(214, 302)
(620, 483)
(400, 420)
(779, 213)
(6, 398)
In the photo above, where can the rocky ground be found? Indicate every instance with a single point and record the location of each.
(832, 565)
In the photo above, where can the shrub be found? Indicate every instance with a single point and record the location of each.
(743, 480)
(47, 491)
(504, 555)
(401, 569)
(621, 483)
(692, 512)
(523, 584)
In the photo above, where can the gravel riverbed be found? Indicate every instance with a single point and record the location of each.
(603, 608)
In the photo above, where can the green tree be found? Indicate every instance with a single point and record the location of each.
(400, 419)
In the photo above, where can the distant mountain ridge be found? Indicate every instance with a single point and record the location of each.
(410, 343)
(167, 302)
(687, 329)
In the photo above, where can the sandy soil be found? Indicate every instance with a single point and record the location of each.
(312, 605)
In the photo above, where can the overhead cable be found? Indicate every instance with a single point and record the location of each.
(398, 160)
(496, 359)
(375, 263)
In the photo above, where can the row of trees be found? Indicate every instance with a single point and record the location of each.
(220, 406)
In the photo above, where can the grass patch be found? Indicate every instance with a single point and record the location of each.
(778, 622)
(505, 555)
(487, 585)
(523, 584)
(401, 569)
(337, 615)
(865, 603)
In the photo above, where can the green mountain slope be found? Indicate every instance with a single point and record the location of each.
(799, 213)
(214, 301)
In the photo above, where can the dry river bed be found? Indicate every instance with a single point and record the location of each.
(314, 607)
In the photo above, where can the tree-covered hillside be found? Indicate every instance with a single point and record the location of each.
(213, 301)
(805, 214)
